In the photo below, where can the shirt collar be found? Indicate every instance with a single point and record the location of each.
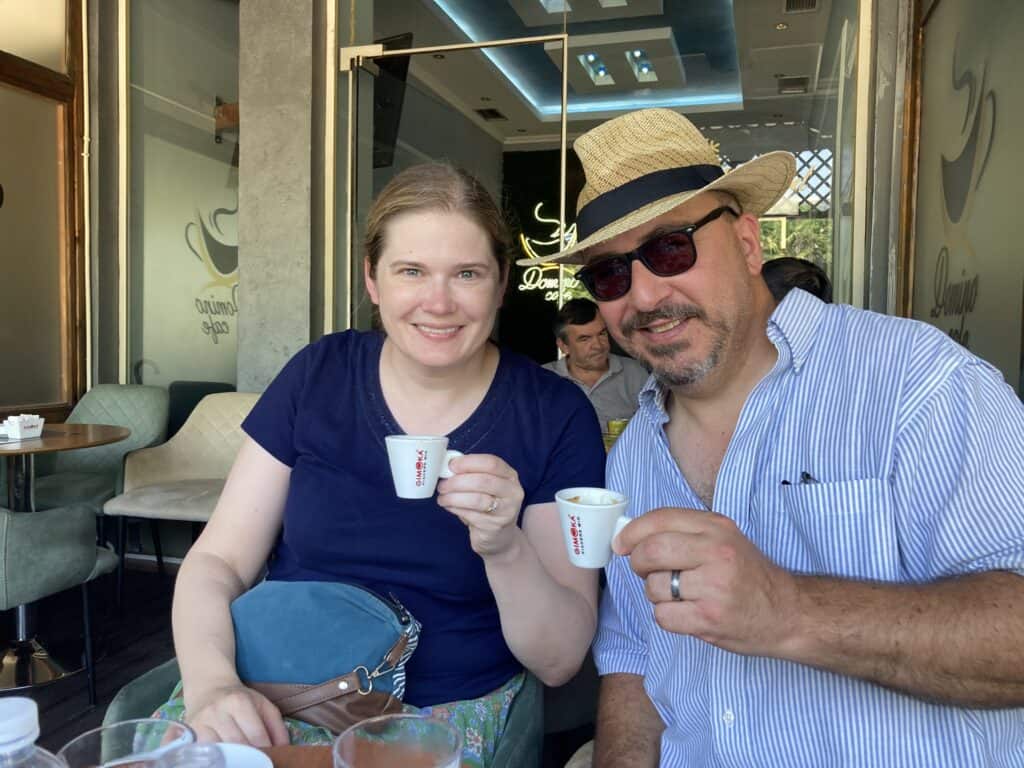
(795, 323)
(614, 367)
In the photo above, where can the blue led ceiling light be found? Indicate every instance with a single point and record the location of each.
(556, 6)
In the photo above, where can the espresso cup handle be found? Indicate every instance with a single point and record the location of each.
(621, 523)
(446, 471)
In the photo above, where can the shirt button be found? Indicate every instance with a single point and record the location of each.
(728, 717)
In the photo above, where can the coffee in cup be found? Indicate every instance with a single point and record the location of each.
(417, 461)
(591, 518)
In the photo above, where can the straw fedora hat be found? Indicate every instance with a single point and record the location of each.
(643, 164)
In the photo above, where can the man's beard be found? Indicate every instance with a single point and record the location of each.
(659, 357)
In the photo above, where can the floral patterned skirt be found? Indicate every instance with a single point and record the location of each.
(481, 721)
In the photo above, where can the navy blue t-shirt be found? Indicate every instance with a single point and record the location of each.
(325, 417)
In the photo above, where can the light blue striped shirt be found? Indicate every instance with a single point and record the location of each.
(917, 447)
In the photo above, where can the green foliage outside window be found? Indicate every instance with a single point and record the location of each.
(803, 237)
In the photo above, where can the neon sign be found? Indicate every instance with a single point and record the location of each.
(552, 279)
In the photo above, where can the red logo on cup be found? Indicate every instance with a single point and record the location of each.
(576, 534)
(421, 467)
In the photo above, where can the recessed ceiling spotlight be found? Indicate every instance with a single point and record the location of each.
(520, 130)
(595, 68)
(485, 98)
(438, 55)
(643, 69)
(781, 26)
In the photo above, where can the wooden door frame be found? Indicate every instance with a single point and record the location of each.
(921, 12)
(67, 90)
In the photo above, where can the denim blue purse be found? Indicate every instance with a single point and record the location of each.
(327, 653)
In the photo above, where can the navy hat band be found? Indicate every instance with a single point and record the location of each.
(621, 201)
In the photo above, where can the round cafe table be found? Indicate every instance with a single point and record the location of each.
(25, 661)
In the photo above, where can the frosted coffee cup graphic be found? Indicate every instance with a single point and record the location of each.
(591, 518)
(417, 461)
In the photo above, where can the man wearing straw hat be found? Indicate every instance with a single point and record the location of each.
(826, 564)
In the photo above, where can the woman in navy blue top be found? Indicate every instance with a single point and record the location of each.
(482, 565)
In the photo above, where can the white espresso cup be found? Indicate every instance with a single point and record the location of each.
(591, 518)
(416, 463)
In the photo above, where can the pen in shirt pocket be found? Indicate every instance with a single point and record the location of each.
(805, 479)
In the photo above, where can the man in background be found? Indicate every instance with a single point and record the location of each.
(612, 382)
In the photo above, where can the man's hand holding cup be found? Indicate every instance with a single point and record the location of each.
(708, 580)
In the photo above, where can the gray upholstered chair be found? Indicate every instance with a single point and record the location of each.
(43, 553)
(181, 479)
(520, 745)
(93, 475)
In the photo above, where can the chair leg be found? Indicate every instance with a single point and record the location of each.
(122, 538)
(90, 670)
(154, 527)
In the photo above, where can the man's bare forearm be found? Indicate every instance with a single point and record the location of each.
(628, 726)
(952, 642)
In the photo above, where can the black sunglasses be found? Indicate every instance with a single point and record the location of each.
(668, 254)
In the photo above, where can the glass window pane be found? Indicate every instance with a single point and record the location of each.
(968, 272)
(35, 30)
(31, 222)
(183, 197)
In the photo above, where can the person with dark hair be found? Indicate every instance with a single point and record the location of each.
(825, 561)
(788, 272)
(612, 382)
(480, 565)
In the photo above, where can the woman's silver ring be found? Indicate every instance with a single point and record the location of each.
(673, 586)
(494, 505)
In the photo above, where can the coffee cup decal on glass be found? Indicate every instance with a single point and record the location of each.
(591, 518)
(417, 461)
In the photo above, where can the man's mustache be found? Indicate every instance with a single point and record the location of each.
(668, 312)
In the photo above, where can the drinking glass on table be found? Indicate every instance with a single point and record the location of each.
(410, 741)
(129, 742)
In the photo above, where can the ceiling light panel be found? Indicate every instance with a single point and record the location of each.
(596, 69)
(659, 64)
(556, 6)
(535, 13)
(641, 65)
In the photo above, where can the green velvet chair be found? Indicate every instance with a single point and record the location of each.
(43, 553)
(520, 745)
(93, 475)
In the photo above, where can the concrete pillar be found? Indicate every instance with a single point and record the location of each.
(275, 185)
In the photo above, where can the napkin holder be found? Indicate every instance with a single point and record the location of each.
(22, 427)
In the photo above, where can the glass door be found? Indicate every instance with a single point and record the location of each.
(452, 103)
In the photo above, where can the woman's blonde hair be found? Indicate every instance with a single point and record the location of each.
(439, 187)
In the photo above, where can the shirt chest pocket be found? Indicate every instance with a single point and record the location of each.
(842, 529)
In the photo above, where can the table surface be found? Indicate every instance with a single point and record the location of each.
(312, 757)
(65, 437)
(300, 757)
